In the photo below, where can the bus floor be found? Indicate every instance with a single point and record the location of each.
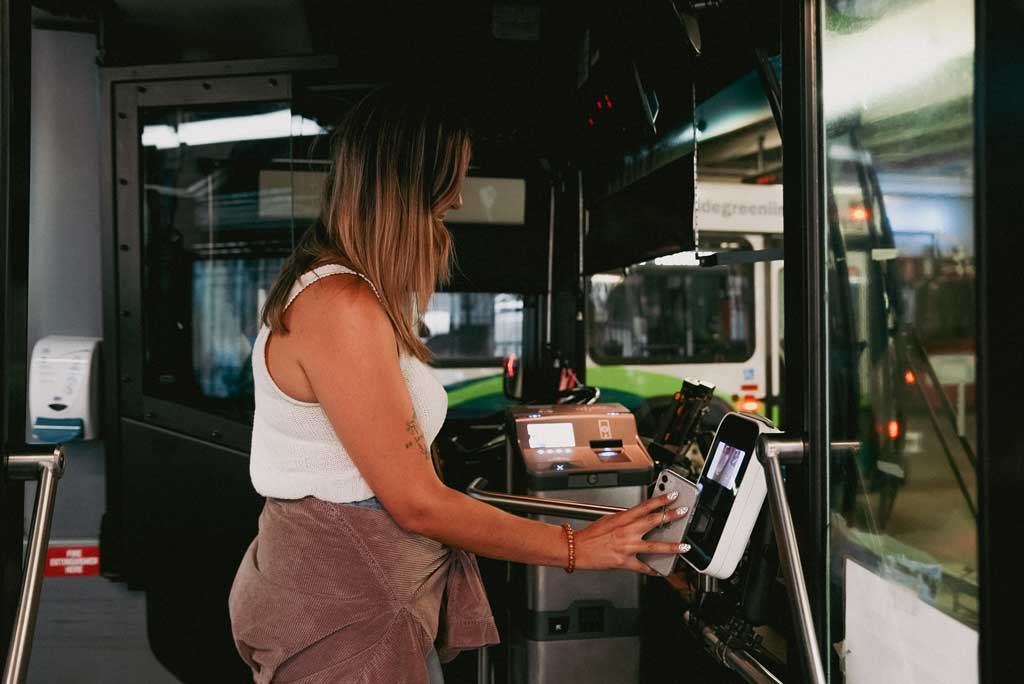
(93, 631)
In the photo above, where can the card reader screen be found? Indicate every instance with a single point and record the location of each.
(543, 435)
(726, 465)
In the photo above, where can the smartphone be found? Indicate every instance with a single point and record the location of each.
(675, 530)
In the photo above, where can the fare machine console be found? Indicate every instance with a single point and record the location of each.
(581, 628)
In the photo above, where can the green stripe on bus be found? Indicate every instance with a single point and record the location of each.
(637, 385)
(631, 384)
(622, 384)
(463, 392)
(632, 381)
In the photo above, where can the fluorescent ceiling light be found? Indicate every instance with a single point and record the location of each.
(279, 124)
(160, 137)
(678, 259)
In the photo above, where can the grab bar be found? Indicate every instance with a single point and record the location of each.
(738, 660)
(774, 451)
(537, 506)
(45, 465)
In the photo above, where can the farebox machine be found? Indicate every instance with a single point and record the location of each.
(580, 628)
(732, 491)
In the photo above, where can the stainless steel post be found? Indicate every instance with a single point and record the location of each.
(46, 467)
(738, 660)
(771, 450)
(530, 504)
(707, 584)
(483, 665)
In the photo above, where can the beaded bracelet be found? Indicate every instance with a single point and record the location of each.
(570, 537)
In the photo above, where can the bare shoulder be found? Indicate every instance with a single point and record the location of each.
(340, 311)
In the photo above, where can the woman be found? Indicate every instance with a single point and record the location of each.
(359, 541)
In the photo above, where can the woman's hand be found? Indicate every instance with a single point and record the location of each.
(614, 540)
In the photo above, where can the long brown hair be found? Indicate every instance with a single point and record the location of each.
(398, 160)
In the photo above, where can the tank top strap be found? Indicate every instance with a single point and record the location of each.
(313, 275)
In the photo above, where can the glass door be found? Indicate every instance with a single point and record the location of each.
(898, 213)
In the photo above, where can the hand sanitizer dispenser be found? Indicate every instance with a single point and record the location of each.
(64, 389)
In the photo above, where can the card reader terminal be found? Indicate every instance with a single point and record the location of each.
(568, 446)
(732, 491)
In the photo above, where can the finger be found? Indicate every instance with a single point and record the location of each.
(634, 564)
(660, 548)
(640, 510)
(652, 520)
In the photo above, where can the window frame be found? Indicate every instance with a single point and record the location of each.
(124, 219)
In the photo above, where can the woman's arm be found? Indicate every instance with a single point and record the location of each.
(349, 355)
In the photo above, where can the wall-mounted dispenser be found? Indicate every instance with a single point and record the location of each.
(63, 397)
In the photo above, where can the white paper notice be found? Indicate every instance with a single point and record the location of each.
(893, 637)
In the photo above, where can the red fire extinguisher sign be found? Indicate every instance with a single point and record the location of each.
(72, 561)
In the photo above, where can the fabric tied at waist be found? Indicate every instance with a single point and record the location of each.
(334, 593)
(466, 620)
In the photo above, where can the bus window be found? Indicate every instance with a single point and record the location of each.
(219, 191)
(475, 329)
(671, 311)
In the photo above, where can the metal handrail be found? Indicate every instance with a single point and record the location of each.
(772, 451)
(739, 660)
(537, 506)
(46, 467)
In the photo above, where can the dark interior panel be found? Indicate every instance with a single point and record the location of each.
(190, 512)
(651, 217)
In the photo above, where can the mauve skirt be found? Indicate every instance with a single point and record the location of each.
(338, 594)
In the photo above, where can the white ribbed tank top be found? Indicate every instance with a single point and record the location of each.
(295, 451)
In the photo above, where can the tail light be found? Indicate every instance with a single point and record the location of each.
(750, 404)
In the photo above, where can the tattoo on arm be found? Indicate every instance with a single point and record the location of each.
(412, 426)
